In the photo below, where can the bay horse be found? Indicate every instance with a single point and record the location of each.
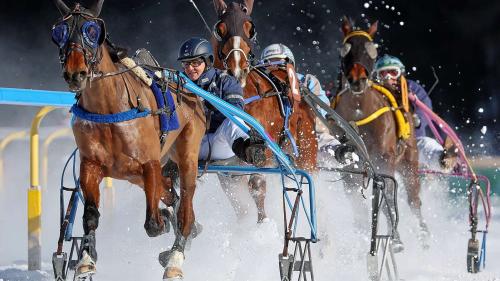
(233, 38)
(130, 149)
(359, 99)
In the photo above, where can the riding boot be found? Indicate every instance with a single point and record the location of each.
(250, 150)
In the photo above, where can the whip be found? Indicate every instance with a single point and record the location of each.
(201, 16)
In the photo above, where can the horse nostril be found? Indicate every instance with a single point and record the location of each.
(79, 76)
(83, 74)
(66, 76)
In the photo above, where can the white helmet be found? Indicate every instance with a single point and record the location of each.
(277, 51)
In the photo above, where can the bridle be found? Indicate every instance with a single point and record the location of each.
(92, 34)
(223, 40)
(366, 61)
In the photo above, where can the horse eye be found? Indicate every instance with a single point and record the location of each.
(60, 34)
(220, 29)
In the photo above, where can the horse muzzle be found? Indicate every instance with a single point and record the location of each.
(76, 80)
(358, 86)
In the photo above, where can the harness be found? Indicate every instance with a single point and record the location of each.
(165, 103)
(404, 129)
(284, 102)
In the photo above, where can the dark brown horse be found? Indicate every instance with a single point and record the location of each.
(359, 100)
(128, 150)
(233, 37)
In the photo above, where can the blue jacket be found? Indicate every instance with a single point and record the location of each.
(224, 86)
(421, 94)
(313, 85)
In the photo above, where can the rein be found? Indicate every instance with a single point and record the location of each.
(404, 129)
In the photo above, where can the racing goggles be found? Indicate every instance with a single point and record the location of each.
(388, 73)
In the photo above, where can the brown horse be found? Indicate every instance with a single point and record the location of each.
(128, 150)
(233, 37)
(359, 100)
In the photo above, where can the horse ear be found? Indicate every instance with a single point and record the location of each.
(373, 29)
(346, 26)
(63, 8)
(96, 8)
(220, 7)
(249, 5)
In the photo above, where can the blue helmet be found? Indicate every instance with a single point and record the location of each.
(389, 62)
(196, 48)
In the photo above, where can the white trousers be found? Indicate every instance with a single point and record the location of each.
(429, 153)
(221, 141)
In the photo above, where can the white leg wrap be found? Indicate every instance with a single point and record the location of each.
(176, 260)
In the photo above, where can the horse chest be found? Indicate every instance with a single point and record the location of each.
(126, 143)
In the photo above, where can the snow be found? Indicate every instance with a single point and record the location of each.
(232, 249)
(484, 129)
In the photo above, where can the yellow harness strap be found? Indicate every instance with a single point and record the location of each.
(335, 101)
(373, 116)
(404, 129)
(404, 94)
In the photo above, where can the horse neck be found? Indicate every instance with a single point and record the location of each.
(215, 46)
(110, 94)
(256, 85)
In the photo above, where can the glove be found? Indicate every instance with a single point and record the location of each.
(345, 154)
(251, 150)
(210, 106)
(416, 121)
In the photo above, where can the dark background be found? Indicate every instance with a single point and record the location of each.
(459, 38)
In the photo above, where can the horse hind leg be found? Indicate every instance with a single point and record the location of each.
(186, 152)
(91, 174)
(257, 188)
(155, 223)
(229, 185)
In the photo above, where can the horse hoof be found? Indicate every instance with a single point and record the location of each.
(397, 246)
(172, 273)
(264, 220)
(85, 268)
(196, 229)
(172, 260)
(423, 237)
(153, 229)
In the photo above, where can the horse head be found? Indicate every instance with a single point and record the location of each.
(358, 54)
(234, 35)
(79, 35)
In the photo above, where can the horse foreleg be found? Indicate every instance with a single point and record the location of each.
(412, 184)
(307, 142)
(352, 185)
(91, 174)
(257, 188)
(153, 186)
